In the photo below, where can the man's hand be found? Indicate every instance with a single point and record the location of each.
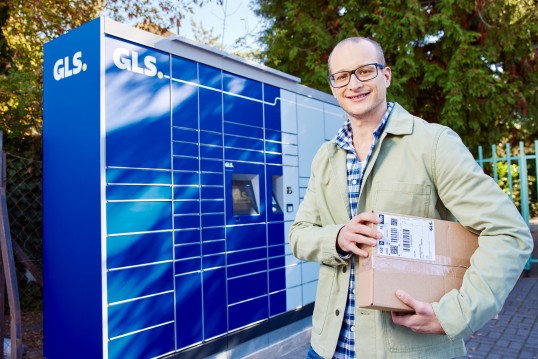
(423, 320)
(358, 231)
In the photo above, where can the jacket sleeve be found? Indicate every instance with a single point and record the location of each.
(311, 237)
(505, 242)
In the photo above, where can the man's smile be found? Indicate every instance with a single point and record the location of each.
(357, 97)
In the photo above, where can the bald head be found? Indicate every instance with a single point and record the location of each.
(357, 40)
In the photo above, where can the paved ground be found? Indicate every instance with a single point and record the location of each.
(513, 335)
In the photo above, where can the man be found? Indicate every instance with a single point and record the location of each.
(385, 159)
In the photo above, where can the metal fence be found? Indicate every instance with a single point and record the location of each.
(24, 203)
(516, 171)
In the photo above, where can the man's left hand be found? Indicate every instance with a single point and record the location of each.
(423, 320)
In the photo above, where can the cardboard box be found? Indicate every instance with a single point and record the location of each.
(425, 257)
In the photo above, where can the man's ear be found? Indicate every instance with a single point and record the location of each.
(387, 74)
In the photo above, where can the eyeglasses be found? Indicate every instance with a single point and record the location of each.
(363, 73)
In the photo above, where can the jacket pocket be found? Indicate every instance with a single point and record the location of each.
(400, 197)
(399, 339)
(323, 297)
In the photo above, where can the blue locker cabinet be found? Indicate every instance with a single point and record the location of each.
(171, 177)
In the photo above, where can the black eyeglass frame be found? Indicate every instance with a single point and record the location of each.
(354, 72)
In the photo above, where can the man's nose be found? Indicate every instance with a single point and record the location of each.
(354, 81)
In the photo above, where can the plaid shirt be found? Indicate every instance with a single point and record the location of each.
(345, 348)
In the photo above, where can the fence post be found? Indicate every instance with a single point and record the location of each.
(524, 186)
(524, 191)
(509, 164)
(480, 157)
(536, 165)
(494, 163)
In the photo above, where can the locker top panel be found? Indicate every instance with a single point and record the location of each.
(192, 50)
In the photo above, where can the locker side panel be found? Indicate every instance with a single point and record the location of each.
(71, 195)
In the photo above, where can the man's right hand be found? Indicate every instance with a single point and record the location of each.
(358, 231)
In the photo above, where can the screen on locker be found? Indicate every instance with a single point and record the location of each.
(276, 194)
(275, 206)
(245, 190)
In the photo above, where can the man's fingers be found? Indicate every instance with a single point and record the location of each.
(354, 248)
(351, 237)
(367, 217)
(423, 320)
(361, 232)
(356, 239)
(406, 298)
(399, 319)
(359, 252)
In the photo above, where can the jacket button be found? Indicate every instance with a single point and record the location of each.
(337, 312)
(344, 270)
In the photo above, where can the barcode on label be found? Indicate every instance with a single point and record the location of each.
(405, 237)
(394, 234)
(406, 240)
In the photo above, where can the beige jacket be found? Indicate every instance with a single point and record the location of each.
(418, 169)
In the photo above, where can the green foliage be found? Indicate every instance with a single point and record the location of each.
(27, 25)
(469, 65)
(510, 183)
(508, 176)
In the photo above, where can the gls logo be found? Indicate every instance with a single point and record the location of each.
(129, 60)
(67, 66)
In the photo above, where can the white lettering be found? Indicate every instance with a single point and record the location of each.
(59, 70)
(136, 68)
(121, 59)
(151, 67)
(77, 63)
(68, 72)
(131, 61)
(67, 67)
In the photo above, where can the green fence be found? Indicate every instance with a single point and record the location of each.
(516, 174)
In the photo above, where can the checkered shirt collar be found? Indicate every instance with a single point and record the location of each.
(344, 137)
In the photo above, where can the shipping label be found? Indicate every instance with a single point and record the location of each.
(412, 238)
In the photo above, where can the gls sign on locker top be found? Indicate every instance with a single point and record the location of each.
(172, 173)
(69, 66)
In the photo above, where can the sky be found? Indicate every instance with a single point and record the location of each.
(231, 20)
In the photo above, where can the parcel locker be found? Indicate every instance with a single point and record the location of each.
(171, 177)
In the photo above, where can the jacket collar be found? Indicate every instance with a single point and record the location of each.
(337, 159)
(400, 121)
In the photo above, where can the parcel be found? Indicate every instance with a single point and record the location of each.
(425, 257)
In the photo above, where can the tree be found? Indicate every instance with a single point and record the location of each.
(240, 48)
(27, 25)
(205, 36)
(471, 65)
